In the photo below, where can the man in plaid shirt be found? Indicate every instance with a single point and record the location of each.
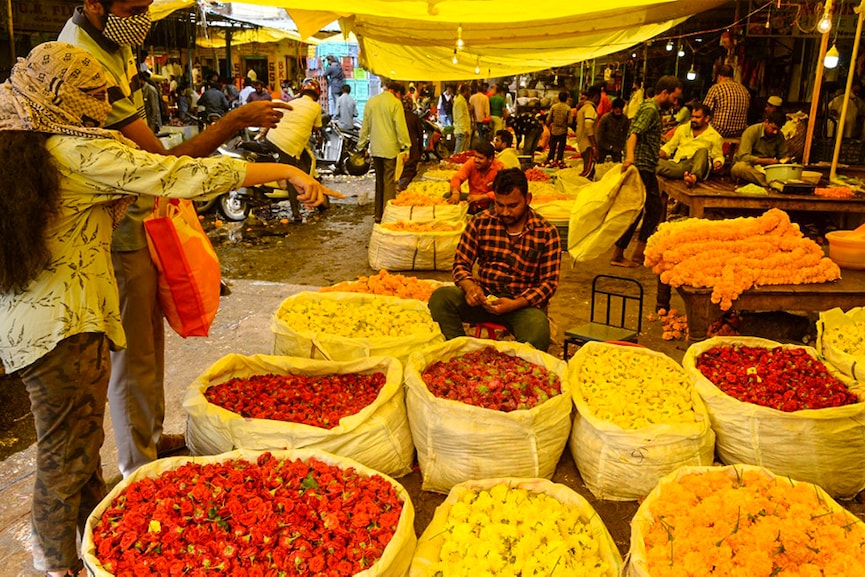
(518, 256)
(728, 100)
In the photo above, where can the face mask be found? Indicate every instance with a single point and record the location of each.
(129, 31)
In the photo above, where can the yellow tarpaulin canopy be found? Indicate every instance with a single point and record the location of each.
(407, 39)
(162, 8)
(216, 37)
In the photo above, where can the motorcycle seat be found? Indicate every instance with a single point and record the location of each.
(256, 146)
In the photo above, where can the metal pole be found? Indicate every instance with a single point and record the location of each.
(815, 95)
(11, 32)
(839, 130)
(645, 65)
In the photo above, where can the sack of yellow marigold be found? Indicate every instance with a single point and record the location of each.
(414, 245)
(346, 326)
(780, 407)
(511, 527)
(638, 418)
(252, 513)
(841, 340)
(551, 202)
(482, 409)
(355, 409)
(743, 520)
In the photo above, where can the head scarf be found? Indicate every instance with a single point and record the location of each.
(57, 89)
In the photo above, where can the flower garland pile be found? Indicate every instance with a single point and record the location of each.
(712, 524)
(632, 389)
(388, 284)
(786, 379)
(493, 380)
(504, 531)
(270, 517)
(734, 255)
(320, 401)
(374, 319)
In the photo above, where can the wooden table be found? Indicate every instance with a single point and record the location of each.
(716, 194)
(848, 292)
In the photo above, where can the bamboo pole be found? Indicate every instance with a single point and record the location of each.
(839, 131)
(11, 32)
(815, 95)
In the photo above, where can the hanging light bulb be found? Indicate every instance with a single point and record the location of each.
(478, 66)
(691, 74)
(825, 24)
(831, 58)
(669, 45)
(633, 54)
(681, 52)
(768, 20)
(460, 36)
(455, 60)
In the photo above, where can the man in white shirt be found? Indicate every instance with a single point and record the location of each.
(292, 134)
(247, 89)
(479, 105)
(346, 109)
(505, 152)
(586, 142)
(687, 154)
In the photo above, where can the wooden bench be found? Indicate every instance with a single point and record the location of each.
(848, 292)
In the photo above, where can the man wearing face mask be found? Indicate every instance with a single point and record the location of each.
(108, 29)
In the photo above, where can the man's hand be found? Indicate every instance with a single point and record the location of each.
(717, 166)
(264, 113)
(310, 191)
(662, 153)
(626, 163)
(474, 295)
(453, 196)
(500, 306)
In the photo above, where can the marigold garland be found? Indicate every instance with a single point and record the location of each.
(734, 255)
(388, 284)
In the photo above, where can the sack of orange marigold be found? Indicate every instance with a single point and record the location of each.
(780, 407)
(482, 409)
(355, 409)
(515, 527)
(638, 418)
(252, 513)
(742, 520)
(841, 340)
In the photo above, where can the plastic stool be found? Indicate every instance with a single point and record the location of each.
(491, 329)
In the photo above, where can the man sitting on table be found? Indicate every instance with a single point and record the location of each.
(691, 147)
(505, 152)
(761, 145)
(518, 256)
(480, 172)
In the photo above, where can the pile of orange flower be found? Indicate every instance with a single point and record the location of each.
(420, 226)
(715, 523)
(385, 283)
(734, 255)
(675, 324)
(423, 193)
(536, 174)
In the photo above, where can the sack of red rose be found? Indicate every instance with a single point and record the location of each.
(515, 527)
(638, 418)
(377, 435)
(187, 266)
(409, 246)
(457, 441)
(269, 513)
(823, 446)
(841, 340)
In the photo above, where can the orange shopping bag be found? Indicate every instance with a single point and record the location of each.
(187, 265)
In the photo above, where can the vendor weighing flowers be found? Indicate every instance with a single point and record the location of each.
(518, 254)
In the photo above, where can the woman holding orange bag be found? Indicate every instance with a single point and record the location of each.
(64, 183)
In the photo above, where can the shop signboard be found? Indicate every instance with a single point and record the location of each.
(41, 15)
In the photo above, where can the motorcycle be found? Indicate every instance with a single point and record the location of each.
(434, 142)
(335, 149)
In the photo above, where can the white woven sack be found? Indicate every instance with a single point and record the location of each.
(429, 545)
(643, 520)
(452, 213)
(851, 365)
(820, 446)
(395, 559)
(402, 250)
(619, 464)
(457, 442)
(603, 211)
(301, 342)
(378, 436)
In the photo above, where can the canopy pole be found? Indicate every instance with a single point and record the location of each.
(839, 130)
(11, 32)
(815, 95)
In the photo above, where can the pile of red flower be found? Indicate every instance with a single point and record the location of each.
(536, 174)
(786, 379)
(493, 380)
(318, 401)
(461, 157)
(271, 517)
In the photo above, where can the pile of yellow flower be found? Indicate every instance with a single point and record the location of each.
(849, 339)
(379, 318)
(734, 255)
(716, 523)
(545, 192)
(440, 174)
(633, 388)
(424, 193)
(421, 226)
(385, 283)
(509, 532)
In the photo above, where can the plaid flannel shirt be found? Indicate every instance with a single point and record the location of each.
(729, 102)
(511, 266)
(647, 126)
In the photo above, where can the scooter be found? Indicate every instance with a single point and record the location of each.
(434, 143)
(335, 149)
